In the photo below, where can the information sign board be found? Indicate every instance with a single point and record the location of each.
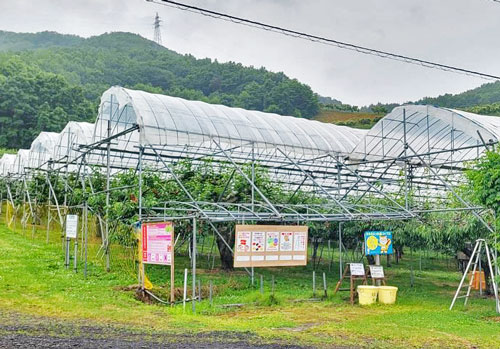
(357, 269)
(270, 245)
(377, 272)
(157, 243)
(378, 242)
(71, 226)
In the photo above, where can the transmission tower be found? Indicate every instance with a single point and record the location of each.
(157, 37)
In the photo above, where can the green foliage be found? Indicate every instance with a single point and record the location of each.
(46, 83)
(486, 109)
(484, 180)
(20, 41)
(340, 107)
(485, 94)
(32, 101)
(364, 123)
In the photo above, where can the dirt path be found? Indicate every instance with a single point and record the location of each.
(18, 331)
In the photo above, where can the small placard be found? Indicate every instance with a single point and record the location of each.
(377, 271)
(71, 226)
(357, 269)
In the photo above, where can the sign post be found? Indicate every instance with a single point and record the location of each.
(378, 243)
(158, 248)
(71, 233)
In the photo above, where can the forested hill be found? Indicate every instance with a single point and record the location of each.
(486, 94)
(47, 79)
(484, 99)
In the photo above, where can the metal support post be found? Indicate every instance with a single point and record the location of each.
(86, 232)
(142, 275)
(108, 181)
(194, 265)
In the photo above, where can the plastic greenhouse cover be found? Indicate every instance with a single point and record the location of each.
(428, 129)
(73, 135)
(166, 120)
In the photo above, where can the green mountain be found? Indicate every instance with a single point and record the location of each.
(484, 99)
(485, 94)
(24, 41)
(47, 79)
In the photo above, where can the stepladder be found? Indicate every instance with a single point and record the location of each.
(475, 264)
(355, 272)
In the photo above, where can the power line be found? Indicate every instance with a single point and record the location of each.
(323, 40)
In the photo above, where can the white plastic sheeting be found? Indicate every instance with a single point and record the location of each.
(429, 131)
(172, 121)
(6, 164)
(184, 128)
(21, 161)
(70, 138)
(41, 149)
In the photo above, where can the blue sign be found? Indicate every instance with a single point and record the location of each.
(378, 242)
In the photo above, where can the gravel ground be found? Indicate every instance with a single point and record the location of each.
(18, 331)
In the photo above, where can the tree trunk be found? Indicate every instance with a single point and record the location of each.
(226, 256)
(371, 260)
(316, 242)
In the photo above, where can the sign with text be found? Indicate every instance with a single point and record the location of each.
(71, 226)
(157, 243)
(378, 242)
(377, 272)
(270, 245)
(357, 269)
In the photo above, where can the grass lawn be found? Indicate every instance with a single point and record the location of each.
(33, 280)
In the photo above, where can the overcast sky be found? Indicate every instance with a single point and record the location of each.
(464, 33)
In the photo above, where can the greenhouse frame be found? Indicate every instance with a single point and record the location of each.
(413, 156)
(419, 148)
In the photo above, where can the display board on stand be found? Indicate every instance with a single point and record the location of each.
(376, 273)
(71, 231)
(157, 245)
(270, 245)
(355, 271)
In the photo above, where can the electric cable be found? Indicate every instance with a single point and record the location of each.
(323, 40)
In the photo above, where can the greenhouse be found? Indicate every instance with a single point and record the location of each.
(156, 158)
(414, 148)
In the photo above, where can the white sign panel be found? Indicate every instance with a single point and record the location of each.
(71, 226)
(377, 271)
(357, 269)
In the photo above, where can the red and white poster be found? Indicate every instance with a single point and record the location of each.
(157, 243)
(243, 241)
(258, 241)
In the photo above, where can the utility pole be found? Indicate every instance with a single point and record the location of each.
(157, 35)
